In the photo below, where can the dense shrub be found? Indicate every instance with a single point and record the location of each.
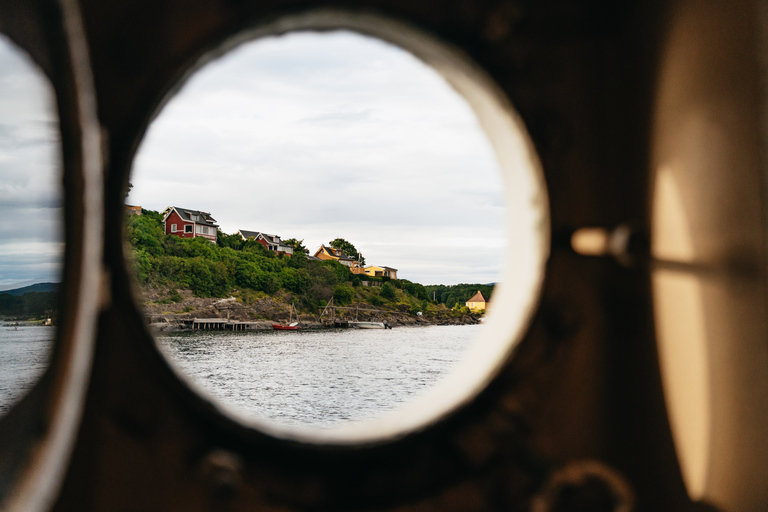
(388, 291)
(293, 280)
(343, 294)
(214, 270)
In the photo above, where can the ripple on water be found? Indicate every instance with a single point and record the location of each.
(318, 378)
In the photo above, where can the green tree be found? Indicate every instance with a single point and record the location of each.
(343, 294)
(232, 241)
(298, 245)
(295, 280)
(388, 291)
(298, 260)
(347, 248)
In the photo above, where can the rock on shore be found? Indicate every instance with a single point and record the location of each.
(261, 313)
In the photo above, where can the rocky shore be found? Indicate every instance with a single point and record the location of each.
(261, 313)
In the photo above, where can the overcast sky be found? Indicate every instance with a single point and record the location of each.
(30, 236)
(318, 136)
(311, 136)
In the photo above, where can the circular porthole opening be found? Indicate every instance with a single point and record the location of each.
(305, 215)
(31, 234)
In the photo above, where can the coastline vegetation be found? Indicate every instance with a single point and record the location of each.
(248, 271)
(29, 306)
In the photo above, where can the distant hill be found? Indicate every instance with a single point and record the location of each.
(39, 288)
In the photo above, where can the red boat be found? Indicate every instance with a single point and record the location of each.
(293, 326)
(290, 327)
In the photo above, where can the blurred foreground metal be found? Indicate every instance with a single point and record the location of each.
(643, 377)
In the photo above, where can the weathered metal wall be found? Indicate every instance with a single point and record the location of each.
(577, 416)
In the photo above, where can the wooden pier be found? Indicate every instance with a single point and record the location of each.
(220, 324)
(328, 316)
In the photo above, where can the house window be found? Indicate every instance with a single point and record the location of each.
(188, 228)
(173, 228)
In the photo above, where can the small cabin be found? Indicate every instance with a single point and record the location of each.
(477, 302)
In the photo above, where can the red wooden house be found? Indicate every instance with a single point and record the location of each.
(270, 242)
(187, 223)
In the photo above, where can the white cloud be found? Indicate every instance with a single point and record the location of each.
(318, 136)
(30, 234)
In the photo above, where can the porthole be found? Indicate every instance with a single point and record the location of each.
(31, 234)
(525, 217)
(65, 247)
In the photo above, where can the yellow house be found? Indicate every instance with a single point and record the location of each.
(477, 302)
(329, 253)
(373, 270)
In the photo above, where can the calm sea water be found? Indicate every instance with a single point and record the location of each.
(312, 378)
(24, 354)
(318, 378)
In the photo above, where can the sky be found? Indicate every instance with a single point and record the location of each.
(31, 246)
(313, 136)
(317, 136)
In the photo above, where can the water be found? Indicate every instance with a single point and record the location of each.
(318, 378)
(24, 355)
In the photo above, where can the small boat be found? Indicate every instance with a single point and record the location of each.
(292, 326)
(370, 325)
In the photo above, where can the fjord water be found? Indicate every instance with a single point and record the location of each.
(319, 378)
(24, 355)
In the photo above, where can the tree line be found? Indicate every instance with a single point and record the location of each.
(29, 305)
(457, 294)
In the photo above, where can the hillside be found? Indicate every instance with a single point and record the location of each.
(189, 276)
(31, 305)
(38, 288)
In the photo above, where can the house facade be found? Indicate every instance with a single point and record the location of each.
(477, 302)
(373, 270)
(329, 253)
(186, 223)
(270, 242)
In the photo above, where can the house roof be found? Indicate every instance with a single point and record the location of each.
(478, 297)
(382, 268)
(337, 253)
(256, 234)
(272, 239)
(186, 215)
(248, 234)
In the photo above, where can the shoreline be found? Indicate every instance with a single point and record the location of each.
(159, 327)
(261, 313)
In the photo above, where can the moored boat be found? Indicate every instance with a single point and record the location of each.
(294, 326)
(370, 325)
